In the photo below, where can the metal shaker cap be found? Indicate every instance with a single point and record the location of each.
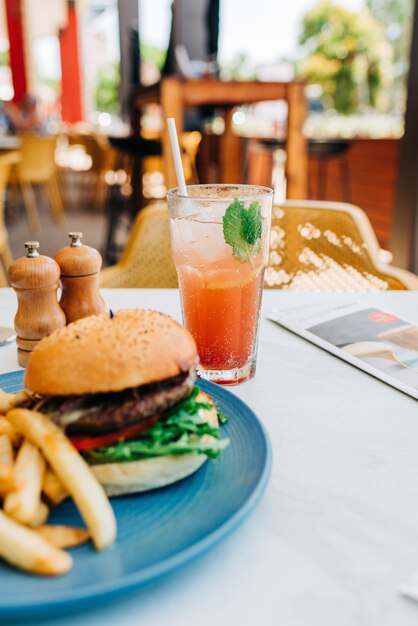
(75, 239)
(32, 249)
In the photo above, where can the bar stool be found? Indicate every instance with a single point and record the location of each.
(323, 150)
(124, 200)
(259, 162)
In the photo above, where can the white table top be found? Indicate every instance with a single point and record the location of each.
(336, 532)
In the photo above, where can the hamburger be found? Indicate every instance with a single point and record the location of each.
(122, 388)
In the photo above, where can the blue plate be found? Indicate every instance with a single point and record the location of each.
(158, 531)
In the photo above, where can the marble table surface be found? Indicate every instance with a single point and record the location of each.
(336, 532)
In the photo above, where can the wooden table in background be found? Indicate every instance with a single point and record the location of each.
(176, 94)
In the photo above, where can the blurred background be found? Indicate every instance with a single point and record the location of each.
(354, 54)
(89, 73)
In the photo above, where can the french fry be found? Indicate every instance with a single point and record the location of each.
(41, 515)
(63, 536)
(20, 397)
(6, 450)
(7, 479)
(29, 551)
(53, 488)
(6, 428)
(6, 401)
(22, 504)
(73, 471)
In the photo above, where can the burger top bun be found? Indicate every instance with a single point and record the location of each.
(110, 352)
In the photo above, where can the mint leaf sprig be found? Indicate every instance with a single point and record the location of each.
(242, 230)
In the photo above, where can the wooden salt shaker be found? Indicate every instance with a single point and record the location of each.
(80, 270)
(35, 279)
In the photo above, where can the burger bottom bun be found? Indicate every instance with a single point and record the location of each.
(136, 476)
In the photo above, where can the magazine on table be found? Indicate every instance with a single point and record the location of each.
(376, 341)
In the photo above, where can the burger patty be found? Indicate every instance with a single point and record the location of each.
(99, 414)
(137, 405)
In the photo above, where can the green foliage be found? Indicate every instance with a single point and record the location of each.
(238, 68)
(391, 11)
(396, 16)
(107, 88)
(153, 55)
(347, 54)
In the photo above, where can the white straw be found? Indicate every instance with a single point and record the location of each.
(175, 148)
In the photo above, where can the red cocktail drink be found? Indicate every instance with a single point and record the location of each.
(220, 240)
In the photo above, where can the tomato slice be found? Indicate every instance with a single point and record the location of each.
(82, 442)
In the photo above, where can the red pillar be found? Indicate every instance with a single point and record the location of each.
(14, 16)
(71, 100)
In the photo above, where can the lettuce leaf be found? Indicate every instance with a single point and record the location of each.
(180, 431)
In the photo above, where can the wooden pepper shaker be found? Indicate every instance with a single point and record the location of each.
(35, 279)
(80, 270)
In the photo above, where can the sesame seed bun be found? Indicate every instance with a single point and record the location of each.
(104, 353)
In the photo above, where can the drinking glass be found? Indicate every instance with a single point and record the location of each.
(220, 243)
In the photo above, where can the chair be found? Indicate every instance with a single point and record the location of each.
(190, 144)
(153, 167)
(141, 159)
(37, 167)
(126, 197)
(7, 161)
(146, 259)
(103, 158)
(327, 246)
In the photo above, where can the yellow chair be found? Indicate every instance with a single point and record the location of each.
(103, 158)
(153, 168)
(37, 167)
(326, 246)
(7, 161)
(189, 144)
(146, 259)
